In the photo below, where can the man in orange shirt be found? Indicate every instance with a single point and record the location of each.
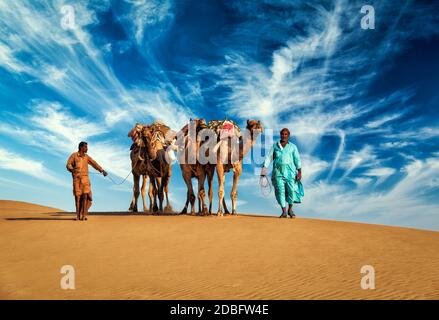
(77, 164)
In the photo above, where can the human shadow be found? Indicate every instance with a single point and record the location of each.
(38, 219)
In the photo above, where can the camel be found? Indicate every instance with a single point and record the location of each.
(139, 170)
(161, 169)
(148, 160)
(254, 128)
(195, 170)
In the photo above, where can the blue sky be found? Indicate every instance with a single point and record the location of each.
(361, 104)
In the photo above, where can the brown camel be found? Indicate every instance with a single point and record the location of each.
(147, 157)
(140, 167)
(223, 165)
(157, 139)
(195, 170)
(139, 170)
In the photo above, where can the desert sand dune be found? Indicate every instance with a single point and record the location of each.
(125, 256)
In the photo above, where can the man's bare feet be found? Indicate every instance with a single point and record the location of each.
(291, 214)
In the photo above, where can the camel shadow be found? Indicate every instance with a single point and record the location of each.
(69, 216)
(121, 213)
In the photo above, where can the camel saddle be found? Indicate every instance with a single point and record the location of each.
(225, 128)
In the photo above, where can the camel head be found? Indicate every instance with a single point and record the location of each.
(199, 123)
(255, 127)
(151, 144)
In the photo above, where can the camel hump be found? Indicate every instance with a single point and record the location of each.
(159, 127)
(136, 134)
(225, 128)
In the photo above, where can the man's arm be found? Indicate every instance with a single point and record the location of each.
(69, 164)
(95, 165)
(297, 163)
(269, 157)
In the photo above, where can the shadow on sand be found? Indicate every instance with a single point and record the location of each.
(127, 213)
(42, 218)
(69, 216)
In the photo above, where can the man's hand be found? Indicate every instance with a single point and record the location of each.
(264, 171)
(299, 175)
(104, 173)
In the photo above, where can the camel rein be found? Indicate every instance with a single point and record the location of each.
(129, 173)
(139, 159)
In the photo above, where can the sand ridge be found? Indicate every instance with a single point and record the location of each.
(126, 256)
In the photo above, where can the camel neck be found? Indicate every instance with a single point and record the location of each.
(247, 145)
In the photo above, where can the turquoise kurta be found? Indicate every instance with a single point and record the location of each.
(286, 162)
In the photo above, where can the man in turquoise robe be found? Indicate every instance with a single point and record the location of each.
(287, 172)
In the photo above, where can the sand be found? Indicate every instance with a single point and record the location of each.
(124, 256)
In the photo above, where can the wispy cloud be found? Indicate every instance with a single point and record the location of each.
(366, 138)
(52, 127)
(16, 162)
(403, 201)
(68, 61)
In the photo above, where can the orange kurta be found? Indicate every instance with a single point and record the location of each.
(79, 165)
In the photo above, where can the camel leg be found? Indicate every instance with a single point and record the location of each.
(202, 194)
(89, 203)
(168, 207)
(143, 191)
(234, 194)
(220, 173)
(190, 192)
(184, 211)
(136, 192)
(168, 204)
(182, 167)
(165, 183)
(160, 194)
(209, 183)
(226, 210)
(151, 195)
(155, 188)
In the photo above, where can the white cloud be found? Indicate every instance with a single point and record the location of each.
(364, 157)
(69, 63)
(147, 13)
(16, 162)
(382, 120)
(381, 173)
(361, 182)
(8, 60)
(112, 157)
(312, 167)
(396, 144)
(53, 128)
(403, 202)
